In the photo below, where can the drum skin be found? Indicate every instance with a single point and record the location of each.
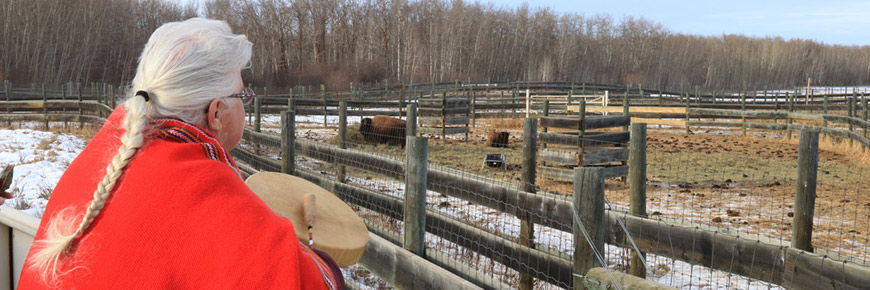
(338, 231)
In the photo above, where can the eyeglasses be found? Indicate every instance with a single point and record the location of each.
(247, 95)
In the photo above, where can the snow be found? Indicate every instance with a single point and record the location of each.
(40, 158)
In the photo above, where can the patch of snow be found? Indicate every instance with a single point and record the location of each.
(40, 158)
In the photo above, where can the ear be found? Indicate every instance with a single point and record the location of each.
(213, 117)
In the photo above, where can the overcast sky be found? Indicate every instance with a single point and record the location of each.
(844, 22)
(832, 22)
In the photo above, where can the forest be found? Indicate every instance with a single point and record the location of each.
(337, 42)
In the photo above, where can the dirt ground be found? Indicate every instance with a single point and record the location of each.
(718, 177)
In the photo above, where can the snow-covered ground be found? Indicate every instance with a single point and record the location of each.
(40, 158)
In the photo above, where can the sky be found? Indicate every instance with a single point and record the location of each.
(841, 22)
(832, 22)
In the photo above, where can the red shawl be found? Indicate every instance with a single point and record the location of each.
(179, 217)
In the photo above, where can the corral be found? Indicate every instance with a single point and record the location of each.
(716, 199)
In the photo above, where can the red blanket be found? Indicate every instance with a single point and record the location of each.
(176, 219)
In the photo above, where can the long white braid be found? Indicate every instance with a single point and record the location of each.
(59, 237)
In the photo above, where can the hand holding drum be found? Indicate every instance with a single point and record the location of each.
(339, 231)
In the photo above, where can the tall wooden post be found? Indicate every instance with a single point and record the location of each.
(44, 107)
(258, 103)
(527, 228)
(291, 102)
(625, 109)
(81, 99)
(589, 206)
(688, 131)
(473, 113)
(416, 169)
(411, 121)
(865, 117)
(581, 132)
(323, 96)
(743, 111)
(288, 141)
(805, 196)
(637, 186)
(825, 108)
(63, 98)
(444, 115)
(791, 100)
(342, 136)
(808, 91)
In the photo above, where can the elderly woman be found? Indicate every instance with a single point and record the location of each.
(155, 200)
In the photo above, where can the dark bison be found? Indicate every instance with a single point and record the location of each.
(497, 139)
(383, 129)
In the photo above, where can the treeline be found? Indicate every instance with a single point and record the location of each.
(341, 41)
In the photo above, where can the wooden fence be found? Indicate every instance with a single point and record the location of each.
(762, 259)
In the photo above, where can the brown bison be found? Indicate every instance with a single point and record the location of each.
(497, 139)
(383, 129)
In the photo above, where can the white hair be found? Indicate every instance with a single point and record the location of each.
(183, 67)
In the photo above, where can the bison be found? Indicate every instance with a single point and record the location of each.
(383, 129)
(497, 139)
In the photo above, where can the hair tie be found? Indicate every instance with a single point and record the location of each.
(144, 95)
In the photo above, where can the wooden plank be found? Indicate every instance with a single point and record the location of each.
(604, 155)
(631, 110)
(614, 171)
(590, 139)
(558, 174)
(561, 156)
(429, 112)
(436, 121)
(264, 139)
(680, 123)
(437, 131)
(436, 102)
(591, 122)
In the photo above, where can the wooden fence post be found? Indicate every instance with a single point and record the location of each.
(411, 121)
(637, 186)
(258, 103)
(44, 107)
(743, 113)
(416, 170)
(291, 102)
(805, 196)
(825, 108)
(527, 228)
(342, 136)
(402, 101)
(288, 141)
(865, 118)
(473, 113)
(8, 87)
(444, 115)
(581, 131)
(81, 99)
(571, 94)
(625, 109)
(851, 113)
(63, 98)
(589, 205)
(323, 96)
(688, 131)
(790, 100)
